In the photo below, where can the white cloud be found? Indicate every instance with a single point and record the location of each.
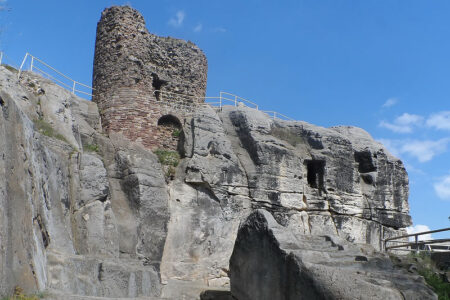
(422, 150)
(390, 102)
(440, 120)
(395, 127)
(419, 228)
(403, 124)
(178, 19)
(442, 188)
(198, 28)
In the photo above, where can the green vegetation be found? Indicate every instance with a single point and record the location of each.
(11, 68)
(72, 153)
(19, 295)
(168, 158)
(47, 130)
(91, 148)
(176, 133)
(286, 135)
(170, 172)
(426, 268)
(441, 287)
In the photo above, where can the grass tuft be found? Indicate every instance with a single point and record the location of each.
(46, 129)
(91, 148)
(176, 133)
(426, 268)
(11, 68)
(168, 158)
(19, 295)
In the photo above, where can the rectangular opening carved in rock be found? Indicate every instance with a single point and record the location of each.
(315, 173)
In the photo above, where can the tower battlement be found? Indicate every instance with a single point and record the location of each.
(130, 64)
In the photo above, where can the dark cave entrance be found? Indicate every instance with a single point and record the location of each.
(315, 173)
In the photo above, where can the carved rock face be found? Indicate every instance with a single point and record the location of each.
(270, 261)
(113, 214)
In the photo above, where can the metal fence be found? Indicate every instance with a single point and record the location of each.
(38, 66)
(7, 61)
(403, 243)
(224, 98)
(34, 64)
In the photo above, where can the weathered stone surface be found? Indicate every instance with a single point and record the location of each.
(59, 204)
(77, 198)
(295, 166)
(208, 198)
(270, 261)
(130, 64)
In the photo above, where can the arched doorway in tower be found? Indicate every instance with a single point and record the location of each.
(170, 133)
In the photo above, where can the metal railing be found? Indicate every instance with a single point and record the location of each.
(7, 61)
(277, 115)
(224, 98)
(38, 66)
(417, 245)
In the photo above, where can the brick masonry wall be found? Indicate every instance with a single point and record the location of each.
(129, 63)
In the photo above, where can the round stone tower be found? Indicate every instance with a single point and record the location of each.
(144, 84)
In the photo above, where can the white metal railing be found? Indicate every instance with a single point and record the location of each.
(277, 115)
(224, 98)
(7, 61)
(36, 65)
(416, 245)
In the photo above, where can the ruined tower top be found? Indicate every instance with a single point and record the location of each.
(130, 64)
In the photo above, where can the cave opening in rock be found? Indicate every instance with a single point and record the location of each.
(365, 161)
(315, 173)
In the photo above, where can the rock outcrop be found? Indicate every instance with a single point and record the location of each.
(270, 261)
(88, 212)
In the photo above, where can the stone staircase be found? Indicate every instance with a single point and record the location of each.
(93, 276)
(270, 261)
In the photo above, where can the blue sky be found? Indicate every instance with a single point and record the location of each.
(380, 65)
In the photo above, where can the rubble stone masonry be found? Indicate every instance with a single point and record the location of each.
(130, 64)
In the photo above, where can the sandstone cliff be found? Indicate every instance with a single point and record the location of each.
(84, 213)
(299, 266)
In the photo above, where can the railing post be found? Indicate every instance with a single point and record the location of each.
(31, 65)
(1, 57)
(73, 87)
(21, 66)
(235, 101)
(274, 115)
(417, 245)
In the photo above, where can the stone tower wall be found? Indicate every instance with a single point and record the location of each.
(130, 64)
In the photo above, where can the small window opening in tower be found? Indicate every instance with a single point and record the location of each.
(170, 133)
(157, 85)
(315, 173)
